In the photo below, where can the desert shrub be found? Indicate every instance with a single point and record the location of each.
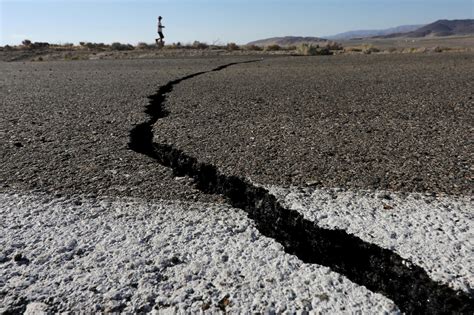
(334, 46)
(323, 51)
(232, 47)
(199, 45)
(439, 49)
(417, 50)
(273, 47)
(96, 46)
(421, 50)
(28, 44)
(307, 49)
(369, 49)
(253, 47)
(143, 46)
(39, 45)
(413, 50)
(174, 46)
(120, 46)
(312, 50)
(391, 50)
(187, 46)
(353, 49)
(218, 47)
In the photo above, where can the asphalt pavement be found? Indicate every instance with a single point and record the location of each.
(394, 122)
(354, 153)
(65, 127)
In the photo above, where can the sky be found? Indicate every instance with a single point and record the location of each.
(211, 21)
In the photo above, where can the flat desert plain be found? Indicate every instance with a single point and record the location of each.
(335, 184)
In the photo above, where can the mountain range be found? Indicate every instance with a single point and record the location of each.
(436, 29)
(372, 33)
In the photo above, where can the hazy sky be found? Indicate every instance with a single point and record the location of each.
(60, 21)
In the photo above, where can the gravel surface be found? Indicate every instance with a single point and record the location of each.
(65, 127)
(82, 254)
(434, 233)
(391, 122)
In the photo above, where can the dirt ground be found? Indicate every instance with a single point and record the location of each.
(355, 46)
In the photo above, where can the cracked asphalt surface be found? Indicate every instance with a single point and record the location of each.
(392, 122)
(397, 122)
(65, 128)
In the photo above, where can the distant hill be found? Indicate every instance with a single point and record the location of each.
(288, 41)
(439, 28)
(372, 33)
(436, 29)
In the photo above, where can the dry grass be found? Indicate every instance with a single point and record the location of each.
(252, 48)
(273, 47)
(308, 50)
(40, 51)
(232, 47)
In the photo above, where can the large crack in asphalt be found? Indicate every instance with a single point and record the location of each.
(377, 268)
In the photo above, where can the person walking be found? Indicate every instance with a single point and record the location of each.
(159, 41)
